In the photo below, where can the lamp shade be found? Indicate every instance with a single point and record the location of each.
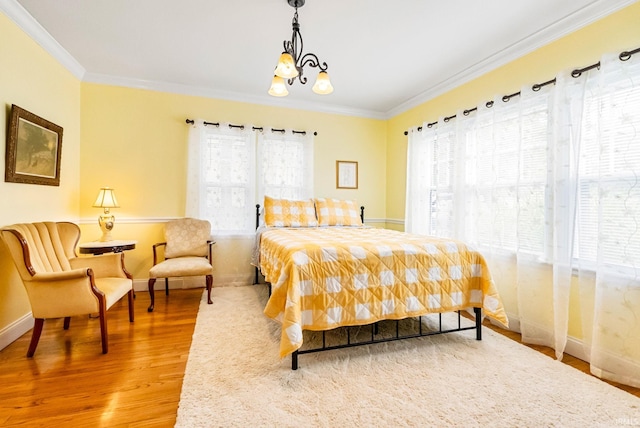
(286, 67)
(323, 84)
(106, 199)
(278, 87)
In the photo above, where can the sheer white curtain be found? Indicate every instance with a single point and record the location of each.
(285, 164)
(220, 177)
(546, 186)
(419, 183)
(604, 107)
(435, 193)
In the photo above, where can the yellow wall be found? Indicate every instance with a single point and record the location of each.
(135, 141)
(33, 80)
(615, 33)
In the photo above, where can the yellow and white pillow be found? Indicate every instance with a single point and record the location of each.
(337, 212)
(286, 213)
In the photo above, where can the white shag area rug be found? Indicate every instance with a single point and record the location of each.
(234, 377)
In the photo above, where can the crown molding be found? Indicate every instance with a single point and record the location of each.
(177, 88)
(29, 25)
(589, 14)
(567, 25)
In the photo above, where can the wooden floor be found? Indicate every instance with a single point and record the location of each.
(69, 382)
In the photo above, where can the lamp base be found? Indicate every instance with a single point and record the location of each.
(106, 223)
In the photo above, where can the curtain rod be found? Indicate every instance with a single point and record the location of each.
(624, 56)
(191, 122)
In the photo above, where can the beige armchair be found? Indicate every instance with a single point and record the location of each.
(61, 285)
(187, 252)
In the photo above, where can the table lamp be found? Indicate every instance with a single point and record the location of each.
(106, 199)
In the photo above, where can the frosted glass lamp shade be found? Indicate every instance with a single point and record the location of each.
(323, 84)
(286, 67)
(278, 87)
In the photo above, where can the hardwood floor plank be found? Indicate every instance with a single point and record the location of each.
(69, 382)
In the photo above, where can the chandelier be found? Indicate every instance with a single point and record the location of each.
(292, 63)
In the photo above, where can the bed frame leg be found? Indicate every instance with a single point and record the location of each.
(294, 360)
(478, 313)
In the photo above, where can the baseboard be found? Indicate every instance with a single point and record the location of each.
(16, 329)
(574, 346)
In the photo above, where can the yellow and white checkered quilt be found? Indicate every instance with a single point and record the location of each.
(327, 277)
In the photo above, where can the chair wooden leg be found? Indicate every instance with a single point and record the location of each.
(102, 307)
(131, 297)
(152, 294)
(209, 286)
(166, 286)
(67, 321)
(103, 332)
(35, 336)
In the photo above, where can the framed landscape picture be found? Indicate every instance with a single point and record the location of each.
(34, 148)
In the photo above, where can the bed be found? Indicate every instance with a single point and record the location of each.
(327, 270)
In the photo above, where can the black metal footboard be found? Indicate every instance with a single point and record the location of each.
(374, 332)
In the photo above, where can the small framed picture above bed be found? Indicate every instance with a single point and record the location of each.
(346, 174)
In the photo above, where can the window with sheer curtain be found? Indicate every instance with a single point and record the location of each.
(230, 169)
(548, 184)
(609, 173)
(285, 167)
(501, 156)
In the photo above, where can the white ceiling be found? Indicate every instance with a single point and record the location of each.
(384, 56)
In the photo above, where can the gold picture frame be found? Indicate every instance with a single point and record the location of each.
(34, 149)
(346, 174)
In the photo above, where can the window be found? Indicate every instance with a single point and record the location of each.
(553, 174)
(505, 169)
(230, 169)
(286, 165)
(228, 162)
(609, 184)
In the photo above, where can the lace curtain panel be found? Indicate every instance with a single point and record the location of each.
(220, 176)
(231, 168)
(546, 186)
(285, 169)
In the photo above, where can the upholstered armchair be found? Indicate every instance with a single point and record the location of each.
(61, 285)
(187, 252)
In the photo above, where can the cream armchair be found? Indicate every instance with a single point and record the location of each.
(61, 285)
(187, 252)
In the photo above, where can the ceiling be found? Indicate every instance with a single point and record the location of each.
(384, 56)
